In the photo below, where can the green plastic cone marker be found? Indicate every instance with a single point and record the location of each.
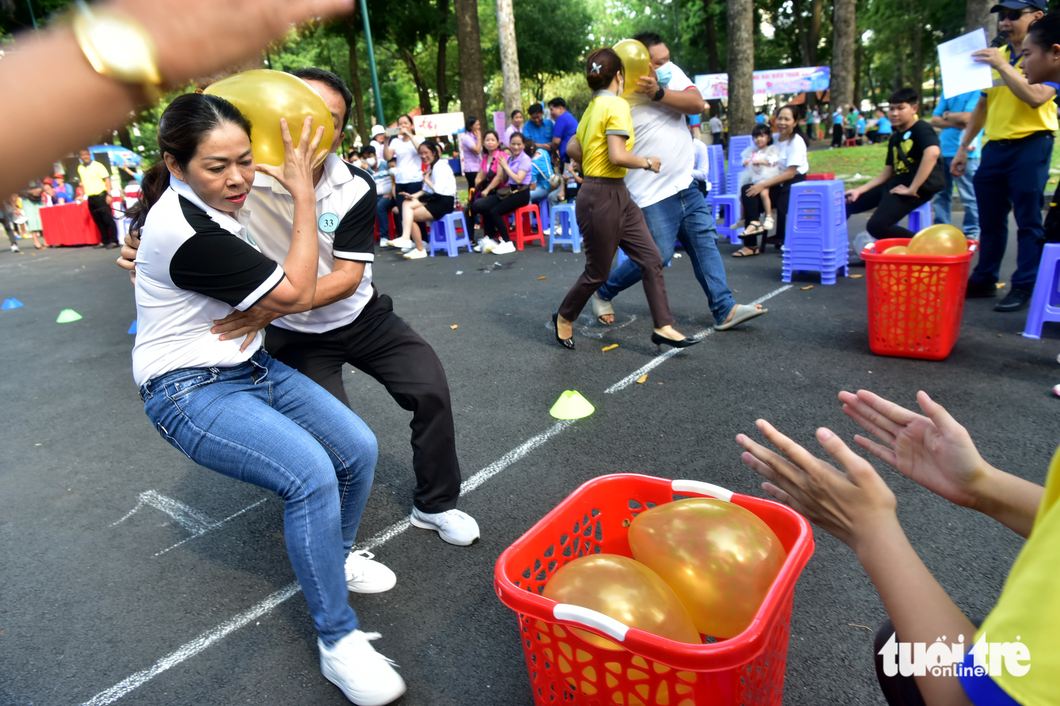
(571, 405)
(67, 315)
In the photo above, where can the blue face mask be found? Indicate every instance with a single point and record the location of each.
(664, 73)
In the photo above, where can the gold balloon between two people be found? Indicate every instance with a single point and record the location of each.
(625, 590)
(636, 64)
(264, 96)
(939, 239)
(719, 558)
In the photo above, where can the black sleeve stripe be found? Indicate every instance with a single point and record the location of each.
(355, 236)
(218, 264)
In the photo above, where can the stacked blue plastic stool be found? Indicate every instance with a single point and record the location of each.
(1045, 302)
(724, 203)
(737, 145)
(564, 229)
(919, 218)
(443, 235)
(815, 238)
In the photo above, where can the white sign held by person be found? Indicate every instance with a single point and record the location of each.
(801, 80)
(438, 124)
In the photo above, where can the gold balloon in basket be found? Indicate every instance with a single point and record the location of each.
(625, 590)
(940, 239)
(719, 558)
(264, 96)
(636, 63)
(896, 250)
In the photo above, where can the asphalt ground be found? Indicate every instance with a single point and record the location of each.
(96, 601)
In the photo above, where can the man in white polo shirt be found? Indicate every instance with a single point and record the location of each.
(673, 206)
(350, 322)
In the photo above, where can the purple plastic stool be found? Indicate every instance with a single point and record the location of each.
(1045, 303)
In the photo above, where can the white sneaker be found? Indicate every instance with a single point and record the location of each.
(480, 245)
(453, 526)
(363, 575)
(14, 248)
(366, 677)
(488, 244)
(402, 243)
(415, 255)
(505, 248)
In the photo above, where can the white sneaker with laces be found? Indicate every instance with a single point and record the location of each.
(505, 248)
(402, 243)
(363, 575)
(366, 677)
(454, 526)
(415, 254)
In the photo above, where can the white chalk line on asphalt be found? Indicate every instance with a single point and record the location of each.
(205, 640)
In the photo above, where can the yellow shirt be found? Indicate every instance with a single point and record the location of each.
(607, 114)
(1009, 118)
(1029, 607)
(92, 178)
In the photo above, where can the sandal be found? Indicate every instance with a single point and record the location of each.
(746, 252)
(753, 228)
(601, 308)
(740, 313)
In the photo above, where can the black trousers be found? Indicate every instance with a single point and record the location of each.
(493, 210)
(104, 218)
(890, 208)
(381, 344)
(837, 135)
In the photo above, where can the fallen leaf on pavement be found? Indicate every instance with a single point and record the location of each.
(642, 378)
(605, 349)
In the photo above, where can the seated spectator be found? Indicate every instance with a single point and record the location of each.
(64, 193)
(543, 172)
(433, 203)
(911, 176)
(510, 191)
(572, 181)
(540, 128)
(490, 165)
(384, 191)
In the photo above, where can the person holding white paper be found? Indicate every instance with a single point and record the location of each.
(1020, 119)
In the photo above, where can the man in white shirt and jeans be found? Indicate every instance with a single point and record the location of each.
(350, 322)
(670, 200)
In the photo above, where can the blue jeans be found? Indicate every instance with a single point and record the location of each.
(382, 215)
(1011, 177)
(266, 424)
(683, 216)
(943, 200)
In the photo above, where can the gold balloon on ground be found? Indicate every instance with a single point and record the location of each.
(719, 558)
(940, 239)
(636, 63)
(264, 96)
(625, 590)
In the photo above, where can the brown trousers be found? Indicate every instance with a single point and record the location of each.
(607, 219)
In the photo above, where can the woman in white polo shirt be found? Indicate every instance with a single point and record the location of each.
(791, 146)
(228, 405)
(433, 203)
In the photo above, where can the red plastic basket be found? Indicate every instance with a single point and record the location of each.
(915, 302)
(652, 670)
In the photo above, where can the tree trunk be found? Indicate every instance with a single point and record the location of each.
(918, 62)
(815, 30)
(469, 48)
(859, 60)
(422, 91)
(977, 14)
(513, 97)
(741, 66)
(801, 35)
(443, 39)
(349, 28)
(713, 65)
(843, 24)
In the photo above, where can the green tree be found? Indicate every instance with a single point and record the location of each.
(553, 40)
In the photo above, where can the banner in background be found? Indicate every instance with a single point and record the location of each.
(438, 124)
(801, 80)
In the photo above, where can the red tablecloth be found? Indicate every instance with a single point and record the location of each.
(69, 224)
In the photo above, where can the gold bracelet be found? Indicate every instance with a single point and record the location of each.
(118, 47)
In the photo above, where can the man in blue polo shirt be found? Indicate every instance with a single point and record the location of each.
(566, 126)
(951, 114)
(538, 128)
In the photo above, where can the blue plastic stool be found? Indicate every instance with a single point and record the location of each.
(737, 145)
(1045, 302)
(919, 218)
(716, 175)
(816, 235)
(443, 235)
(726, 208)
(564, 229)
(542, 207)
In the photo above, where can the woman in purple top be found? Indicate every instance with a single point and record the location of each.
(516, 126)
(471, 142)
(500, 202)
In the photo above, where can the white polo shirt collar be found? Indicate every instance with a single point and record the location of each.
(236, 225)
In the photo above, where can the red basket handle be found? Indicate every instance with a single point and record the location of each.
(696, 486)
(591, 619)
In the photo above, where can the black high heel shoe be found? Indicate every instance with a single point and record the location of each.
(679, 343)
(565, 342)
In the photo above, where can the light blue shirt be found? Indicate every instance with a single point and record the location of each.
(760, 119)
(950, 138)
(884, 126)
